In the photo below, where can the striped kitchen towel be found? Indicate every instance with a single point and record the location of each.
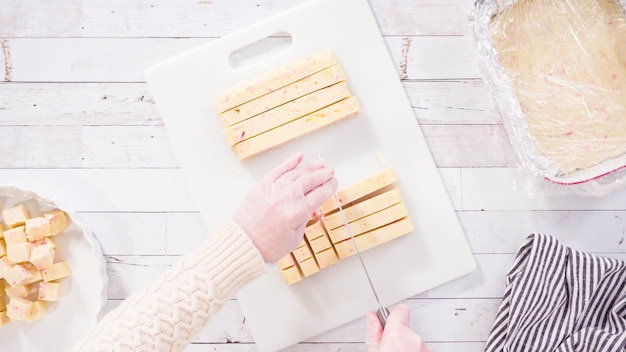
(560, 299)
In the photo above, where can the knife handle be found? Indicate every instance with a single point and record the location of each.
(383, 314)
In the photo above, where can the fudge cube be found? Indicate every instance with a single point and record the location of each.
(17, 291)
(309, 267)
(286, 261)
(19, 252)
(55, 271)
(15, 216)
(47, 241)
(302, 253)
(326, 258)
(57, 220)
(49, 291)
(319, 244)
(37, 228)
(4, 318)
(19, 308)
(291, 275)
(38, 311)
(18, 275)
(33, 271)
(5, 265)
(314, 231)
(16, 235)
(41, 256)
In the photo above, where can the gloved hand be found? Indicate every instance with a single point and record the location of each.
(397, 336)
(275, 212)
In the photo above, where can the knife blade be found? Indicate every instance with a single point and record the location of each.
(383, 312)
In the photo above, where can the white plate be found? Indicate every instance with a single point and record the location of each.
(84, 292)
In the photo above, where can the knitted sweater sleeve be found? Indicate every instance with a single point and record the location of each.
(167, 313)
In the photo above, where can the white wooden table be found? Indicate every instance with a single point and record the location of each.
(78, 124)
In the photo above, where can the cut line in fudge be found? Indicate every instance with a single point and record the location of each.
(374, 238)
(360, 190)
(286, 113)
(364, 208)
(247, 90)
(298, 128)
(371, 222)
(307, 85)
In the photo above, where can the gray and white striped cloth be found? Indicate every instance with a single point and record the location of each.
(560, 299)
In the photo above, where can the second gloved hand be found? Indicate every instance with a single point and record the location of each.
(397, 335)
(275, 212)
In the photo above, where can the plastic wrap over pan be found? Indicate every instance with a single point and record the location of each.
(556, 71)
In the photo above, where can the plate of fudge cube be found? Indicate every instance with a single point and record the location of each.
(53, 282)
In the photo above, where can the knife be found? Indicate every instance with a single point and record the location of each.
(383, 312)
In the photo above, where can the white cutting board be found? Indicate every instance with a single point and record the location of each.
(384, 134)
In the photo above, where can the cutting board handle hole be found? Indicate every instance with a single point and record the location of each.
(260, 50)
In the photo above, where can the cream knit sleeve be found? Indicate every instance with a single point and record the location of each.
(167, 313)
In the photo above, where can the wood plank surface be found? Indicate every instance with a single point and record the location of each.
(488, 232)
(193, 18)
(149, 146)
(466, 320)
(114, 190)
(460, 102)
(82, 104)
(126, 59)
(78, 124)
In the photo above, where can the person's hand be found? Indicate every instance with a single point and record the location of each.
(397, 336)
(276, 210)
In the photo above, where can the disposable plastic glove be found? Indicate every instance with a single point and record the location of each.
(275, 212)
(397, 336)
